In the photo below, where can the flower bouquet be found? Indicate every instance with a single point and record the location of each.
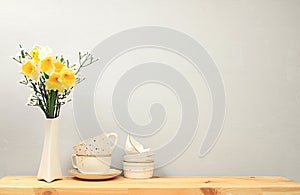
(51, 79)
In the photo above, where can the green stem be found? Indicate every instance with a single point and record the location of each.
(52, 96)
(57, 107)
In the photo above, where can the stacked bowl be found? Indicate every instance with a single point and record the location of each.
(138, 163)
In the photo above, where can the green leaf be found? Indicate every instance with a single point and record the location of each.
(62, 60)
(46, 76)
(22, 54)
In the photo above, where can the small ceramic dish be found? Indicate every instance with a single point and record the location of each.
(112, 173)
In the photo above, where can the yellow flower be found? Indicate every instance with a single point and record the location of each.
(59, 66)
(54, 82)
(67, 77)
(30, 70)
(35, 53)
(61, 80)
(47, 65)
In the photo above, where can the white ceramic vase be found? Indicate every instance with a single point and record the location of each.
(50, 169)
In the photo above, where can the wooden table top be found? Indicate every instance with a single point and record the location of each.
(158, 185)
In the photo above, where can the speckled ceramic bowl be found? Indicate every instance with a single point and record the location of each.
(138, 170)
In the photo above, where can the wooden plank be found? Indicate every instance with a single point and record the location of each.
(160, 185)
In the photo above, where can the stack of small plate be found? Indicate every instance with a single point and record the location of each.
(138, 163)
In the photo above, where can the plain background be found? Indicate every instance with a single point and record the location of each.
(256, 45)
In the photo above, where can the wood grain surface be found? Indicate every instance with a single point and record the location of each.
(229, 185)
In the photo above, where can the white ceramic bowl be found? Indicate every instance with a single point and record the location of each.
(138, 160)
(144, 159)
(134, 147)
(141, 155)
(138, 170)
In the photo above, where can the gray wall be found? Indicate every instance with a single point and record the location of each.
(255, 45)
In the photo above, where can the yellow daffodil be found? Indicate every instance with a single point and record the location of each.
(54, 82)
(61, 80)
(68, 77)
(47, 65)
(59, 66)
(35, 53)
(30, 70)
